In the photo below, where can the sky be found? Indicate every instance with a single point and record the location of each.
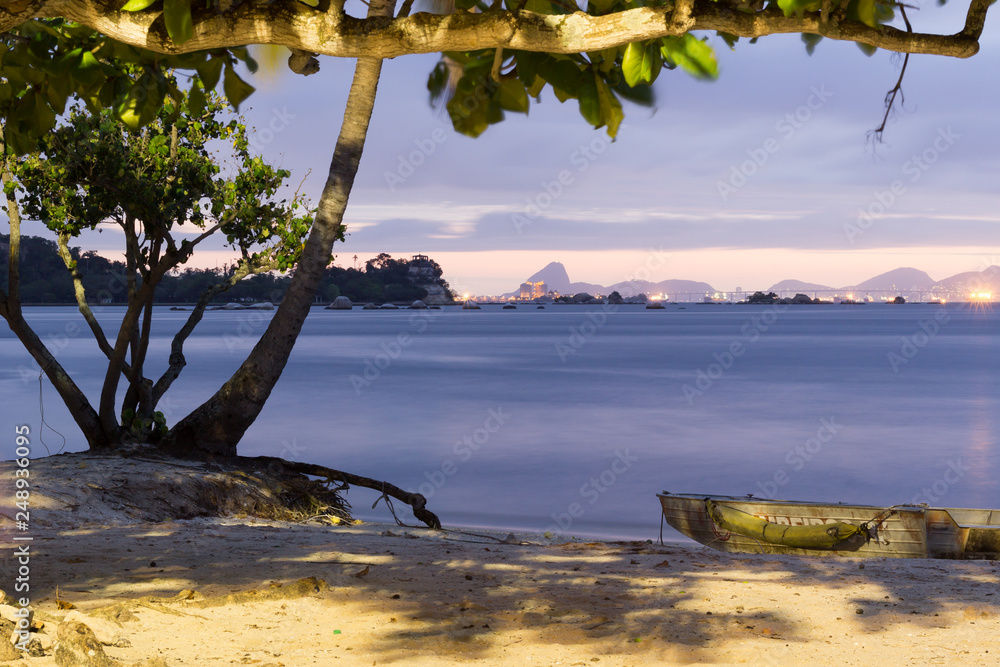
(764, 175)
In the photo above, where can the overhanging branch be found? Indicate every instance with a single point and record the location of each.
(332, 33)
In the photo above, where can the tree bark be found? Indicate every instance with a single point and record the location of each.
(217, 425)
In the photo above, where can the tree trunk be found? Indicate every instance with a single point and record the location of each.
(217, 425)
(79, 407)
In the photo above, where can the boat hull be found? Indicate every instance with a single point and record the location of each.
(906, 531)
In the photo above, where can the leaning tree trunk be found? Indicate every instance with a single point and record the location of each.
(217, 425)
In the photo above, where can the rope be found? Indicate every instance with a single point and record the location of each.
(392, 510)
(877, 520)
(41, 427)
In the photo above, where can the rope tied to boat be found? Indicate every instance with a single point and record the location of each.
(872, 526)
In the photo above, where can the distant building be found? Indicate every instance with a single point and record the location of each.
(421, 266)
(532, 290)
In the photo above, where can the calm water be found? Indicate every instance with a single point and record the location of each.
(571, 418)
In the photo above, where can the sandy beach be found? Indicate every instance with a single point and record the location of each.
(241, 590)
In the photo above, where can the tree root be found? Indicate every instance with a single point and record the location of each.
(416, 501)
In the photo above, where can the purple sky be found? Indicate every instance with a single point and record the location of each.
(657, 188)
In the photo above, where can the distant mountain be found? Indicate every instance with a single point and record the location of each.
(556, 278)
(987, 280)
(668, 287)
(901, 279)
(904, 279)
(797, 286)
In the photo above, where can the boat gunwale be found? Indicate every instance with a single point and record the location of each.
(752, 499)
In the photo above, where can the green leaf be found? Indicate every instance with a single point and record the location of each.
(311, 3)
(641, 63)
(177, 14)
(87, 69)
(691, 54)
(437, 82)
(811, 41)
(136, 5)
(563, 75)
(600, 7)
(210, 71)
(527, 70)
(590, 105)
(864, 11)
(798, 7)
(236, 89)
(611, 109)
(196, 101)
(512, 96)
(467, 110)
(44, 118)
(867, 49)
(729, 38)
(142, 103)
(641, 95)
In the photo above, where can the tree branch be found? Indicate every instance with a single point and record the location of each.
(81, 297)
(415, 500)
(890, 97)
(333, 33)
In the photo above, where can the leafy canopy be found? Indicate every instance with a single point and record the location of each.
(92, 170)
(483, 89)
(46, 62)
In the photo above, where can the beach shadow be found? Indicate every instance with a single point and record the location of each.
(461, 597)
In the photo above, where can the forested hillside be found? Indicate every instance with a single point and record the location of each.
(45, 280)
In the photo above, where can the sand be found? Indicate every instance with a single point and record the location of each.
(383, 594)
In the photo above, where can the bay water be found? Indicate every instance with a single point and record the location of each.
(570, 419)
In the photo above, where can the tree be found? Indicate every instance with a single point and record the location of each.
(498, 58)
(92, 170)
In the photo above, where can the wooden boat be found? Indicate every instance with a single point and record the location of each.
(757, 525)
